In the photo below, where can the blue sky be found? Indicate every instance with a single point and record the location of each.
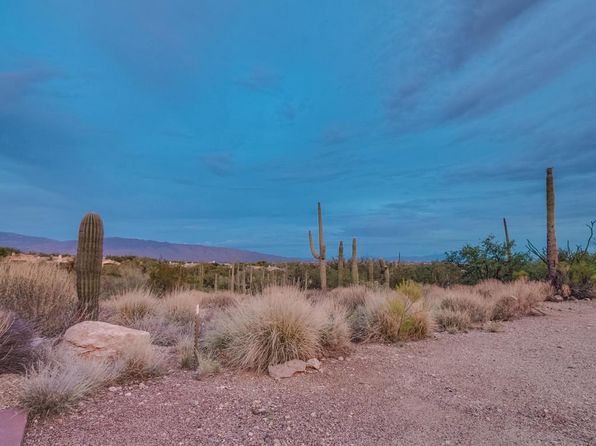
(417, 124)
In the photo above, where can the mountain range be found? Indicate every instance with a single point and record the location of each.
(117, 246)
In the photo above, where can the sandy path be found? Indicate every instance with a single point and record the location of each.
(533, 383)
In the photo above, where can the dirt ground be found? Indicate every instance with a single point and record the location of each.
(532, 383)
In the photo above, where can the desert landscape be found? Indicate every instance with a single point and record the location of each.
(297, 223)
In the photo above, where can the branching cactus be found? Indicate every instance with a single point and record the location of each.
(88, 265)
(386, 274)
(354, 263)
(340, 264)
(320, 256)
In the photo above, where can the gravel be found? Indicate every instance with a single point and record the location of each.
(532, 383)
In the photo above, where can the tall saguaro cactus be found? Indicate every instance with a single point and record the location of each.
(552, 252)
(354, 263)
(320, 256)
(340, 264)
(507, 242)
(88, 265)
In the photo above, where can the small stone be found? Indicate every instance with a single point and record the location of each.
(287, 369)
(313, 363)
(128, 394)
(114, 389)
(257, 408)
(341, 358)
(142, 386)
(557, 298)
(313, 414)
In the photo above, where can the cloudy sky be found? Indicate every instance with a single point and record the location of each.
(417, 124)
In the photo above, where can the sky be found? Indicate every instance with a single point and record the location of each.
(418, 125)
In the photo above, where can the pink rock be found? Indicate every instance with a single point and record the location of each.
(287, 369)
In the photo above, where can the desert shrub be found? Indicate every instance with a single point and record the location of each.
(60, 382)
(520, 275)
(132, 306)
(138, 362)
(41, 293)
(118, 279)
(491, 326)
(16, 337)
(350, 297)
(411, 289)
(452, 320)
(335, 333)
(185, 352)
(5, 252)
(397, 319)
(505, 308)
(180, 306)
(513, 299)
(220, 299)
(466, 302)
(270, 329)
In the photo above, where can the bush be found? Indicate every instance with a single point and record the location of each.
(41, 293)
(180, 306)
(396, 319)
(452, 320)
(162, 332)
(118, 279)
(185, 352)
(132, 306)
(270, 329)
(137, 363)
(335, 333)
(16, 337)
(60, 382)
(411, 289)
(466, 302)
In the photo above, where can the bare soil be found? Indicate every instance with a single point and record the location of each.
(532, 383)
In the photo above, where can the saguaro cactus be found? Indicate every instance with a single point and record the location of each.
(371, 272)
(340, 264)
(552, 252)
(231, 286)
(320, 256)
(354, 263)
(386, 273)
(507, 242)
(88, 265)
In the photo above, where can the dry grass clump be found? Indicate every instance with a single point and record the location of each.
(60, 382)
(335, 333)
(162, 331)
(132, 306)
(270, 329)
(492, 326)
(41, 293)
(350, 297)
(398, 319)
(138, 362)
(16, 337)
(185, 350)
(411, 289)
(451, 320)
(179, 306)
(463, 301)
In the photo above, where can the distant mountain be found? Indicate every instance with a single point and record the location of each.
(117, 246)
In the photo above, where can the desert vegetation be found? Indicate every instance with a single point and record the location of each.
(252, 316)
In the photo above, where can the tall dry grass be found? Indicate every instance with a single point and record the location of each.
(41, 293)
(16, 343)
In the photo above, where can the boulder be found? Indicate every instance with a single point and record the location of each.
(102, 340)
(287, 369)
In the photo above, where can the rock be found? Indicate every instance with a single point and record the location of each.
(341, 358)
(313, 363)
(114, 389)
(557, 298)
(142, 386)
(128, 394)
(102, 340)
(287, 369)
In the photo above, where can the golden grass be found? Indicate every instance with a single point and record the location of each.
(43, 294)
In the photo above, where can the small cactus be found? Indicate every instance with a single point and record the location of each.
(354, 263)
(386, 274)
(340, 264)
(88, 265)
(320, 256)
